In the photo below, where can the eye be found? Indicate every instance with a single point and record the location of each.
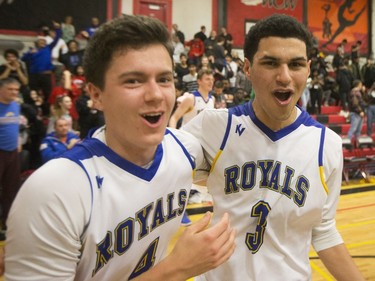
(297, 64)
(131, 81)
(166, 79)
(270, 63)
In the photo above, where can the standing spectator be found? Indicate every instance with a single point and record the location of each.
(13, 68)
(196, 50)
(316, 91)
(39, 64)
(182, 68)
(190, 106)
(355, 52)
(338, 58)
(60, 140)
(37, 128)
(357, 108)
(370, 97)
(194, 102)
(201, 34)
(355, 68)
(209, 43)
(342, 45)
(178, 48)
(88, 116)
(344, 79)
(231, 71)
(60, 48)
(73, 57)
(368, 72)
(228, 43)
(179, 33)
(68, 29)
(218, 52)
(89, 31)
(9, 147)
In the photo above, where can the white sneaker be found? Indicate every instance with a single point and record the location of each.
(207, 197)
(196, 198)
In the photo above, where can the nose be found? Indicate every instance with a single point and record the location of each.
(153, 92)
(283, 75)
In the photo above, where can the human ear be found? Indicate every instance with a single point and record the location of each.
(246, 68)
(95, 96)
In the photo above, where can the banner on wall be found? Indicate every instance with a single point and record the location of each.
(332, 21)
(250, 11)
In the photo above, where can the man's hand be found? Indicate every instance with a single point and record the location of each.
(200, 248)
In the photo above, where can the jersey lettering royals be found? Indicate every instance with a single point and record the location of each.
(103, 218)
(274, 185)
(135, 211)
(200, 104)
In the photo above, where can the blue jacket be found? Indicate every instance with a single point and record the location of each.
(41, 60)
(51, 147)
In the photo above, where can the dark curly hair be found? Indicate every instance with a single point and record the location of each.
(277, 25)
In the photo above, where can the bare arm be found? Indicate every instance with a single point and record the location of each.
(340, 264)
(185, 106)
(198, 250)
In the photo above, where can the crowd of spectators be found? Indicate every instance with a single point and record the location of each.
(52, 78)
(335, 82)
(52, 88)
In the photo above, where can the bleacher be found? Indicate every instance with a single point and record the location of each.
(359, 159)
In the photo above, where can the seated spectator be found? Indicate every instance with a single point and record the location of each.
(218, 93)
(70, 85)
(60, 109)
(189, 81)
(58, 141)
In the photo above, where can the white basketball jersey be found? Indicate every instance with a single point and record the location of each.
(122, 243)
(96, 216)
(200, 104)
(274, 187)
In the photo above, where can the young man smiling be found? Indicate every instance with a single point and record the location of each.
(274, 169)
(107, 209)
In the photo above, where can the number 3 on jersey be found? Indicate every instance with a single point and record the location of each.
(255, 240)
(146, 261)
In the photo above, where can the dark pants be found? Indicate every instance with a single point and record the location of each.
(9, 180)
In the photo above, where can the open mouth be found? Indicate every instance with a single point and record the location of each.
(282, 95)
(152, 117)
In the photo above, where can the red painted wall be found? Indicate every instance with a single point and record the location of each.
(238, 13)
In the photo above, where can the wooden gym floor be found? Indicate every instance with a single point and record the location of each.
(355, 221)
